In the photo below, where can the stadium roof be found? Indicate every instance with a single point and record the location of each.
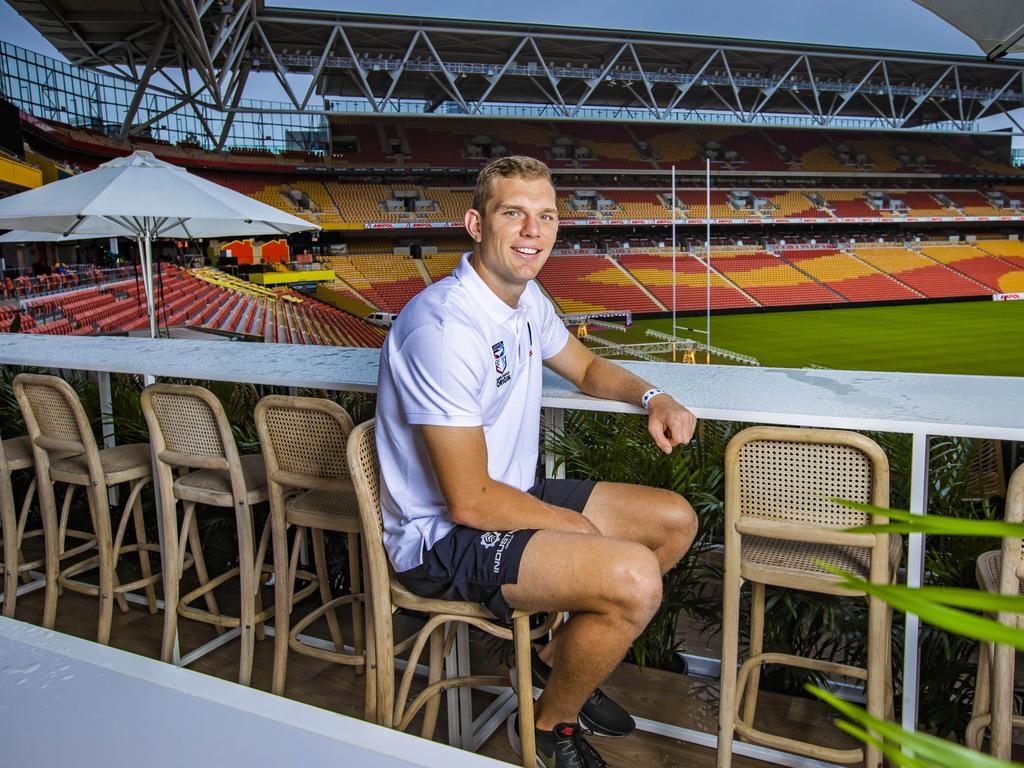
(470, 64)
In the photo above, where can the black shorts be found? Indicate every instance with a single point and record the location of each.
(472, 565)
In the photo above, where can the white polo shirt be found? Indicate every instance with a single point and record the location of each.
(458, 356)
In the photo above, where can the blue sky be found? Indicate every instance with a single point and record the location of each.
(893, 24)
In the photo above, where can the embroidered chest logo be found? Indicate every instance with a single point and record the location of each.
(500, 364)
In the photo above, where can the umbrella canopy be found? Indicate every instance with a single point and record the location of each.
(26, 236)
(144, 198)
(141, 196)
(997, 26)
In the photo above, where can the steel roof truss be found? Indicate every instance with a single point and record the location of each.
(359, 75)
(279, 71)
(318, 70)
(228, 28)
(140, 86)
(847, 97)
(451, 88)
(561, 105)
(494, 79)
(593, 83)
(650, 102)
(767, 93)
(684, 88)
(919, 100)
(739, 111)
(397, 73)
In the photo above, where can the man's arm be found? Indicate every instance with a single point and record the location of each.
(669, 423)
(459, 458)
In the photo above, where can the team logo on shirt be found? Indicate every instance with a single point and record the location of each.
(500, 363)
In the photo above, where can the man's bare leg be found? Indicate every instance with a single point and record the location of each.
(613, 589)
(661, 520)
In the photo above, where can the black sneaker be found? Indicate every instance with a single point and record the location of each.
(600, 714)
(561, 747)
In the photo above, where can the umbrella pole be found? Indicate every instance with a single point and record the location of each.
(150, 309)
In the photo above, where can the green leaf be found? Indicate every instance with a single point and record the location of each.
(938, 615)
(939, 751)
(895, 754)
(936, 524)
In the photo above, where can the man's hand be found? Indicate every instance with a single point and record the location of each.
(669, 423)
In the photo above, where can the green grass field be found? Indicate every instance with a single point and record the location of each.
(984, 337)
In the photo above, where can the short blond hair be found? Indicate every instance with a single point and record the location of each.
(512, 167)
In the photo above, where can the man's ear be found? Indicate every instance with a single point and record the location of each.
(473, 222)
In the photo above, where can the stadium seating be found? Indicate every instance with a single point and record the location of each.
(773, 282)
(592, 284)
(851, 278)
(992, 272)
(654, 272)
(919, 272)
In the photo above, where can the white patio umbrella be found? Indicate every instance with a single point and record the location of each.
(997, 26)
(144, 198)
(27, 236)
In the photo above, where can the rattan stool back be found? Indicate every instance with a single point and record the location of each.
(197, 462)
(304, 445)
(781, 526)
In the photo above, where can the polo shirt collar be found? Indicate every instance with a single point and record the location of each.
(497, 310)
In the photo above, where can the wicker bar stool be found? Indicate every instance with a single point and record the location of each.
(303, 441)
(15, 455)
(1000, 571)
(387, 595)
(779, 524)
(65, 451)
(190, 435)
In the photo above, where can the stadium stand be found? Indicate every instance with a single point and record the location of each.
(593, 284)
(992, 272)
(919, 272)
(654, 272)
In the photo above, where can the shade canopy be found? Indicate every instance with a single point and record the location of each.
(27, 236)
(143, 198)
(997, 26)
(139, 196)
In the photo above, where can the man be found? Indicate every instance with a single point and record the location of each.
(458, 420)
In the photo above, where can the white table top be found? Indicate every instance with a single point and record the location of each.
(969, 406)
(68, 701)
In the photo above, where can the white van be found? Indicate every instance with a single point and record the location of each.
(383, 319)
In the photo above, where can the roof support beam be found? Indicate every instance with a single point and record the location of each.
(140, 88)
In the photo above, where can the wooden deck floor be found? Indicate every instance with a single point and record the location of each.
(654, 694)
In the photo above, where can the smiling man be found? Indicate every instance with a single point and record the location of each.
(458, 427)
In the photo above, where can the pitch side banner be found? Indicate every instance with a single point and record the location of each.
(1008, 297)
(736, 220)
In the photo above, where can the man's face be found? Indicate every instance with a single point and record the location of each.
(514, 235)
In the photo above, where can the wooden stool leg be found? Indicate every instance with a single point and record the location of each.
(48, 511)
(195, 546)
(1001, 683)
(749, 696)
(370, 681)
(355, 581)
(140, 538)
(432, 707)
(99, 506)
(527, 736)
(247, 591)
(730, 651)
(10, 533)
(878, 640)
(282, 603)
(982, 699)
(320, 560)
(173, 545)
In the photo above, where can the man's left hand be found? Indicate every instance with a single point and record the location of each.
(669, 423)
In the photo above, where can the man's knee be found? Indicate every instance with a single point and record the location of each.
(635, 584)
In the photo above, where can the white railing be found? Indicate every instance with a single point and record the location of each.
(921, 405)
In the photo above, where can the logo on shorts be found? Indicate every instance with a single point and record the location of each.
(500, 363)
(489, 539)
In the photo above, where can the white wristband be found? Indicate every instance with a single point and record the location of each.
(645, 401)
